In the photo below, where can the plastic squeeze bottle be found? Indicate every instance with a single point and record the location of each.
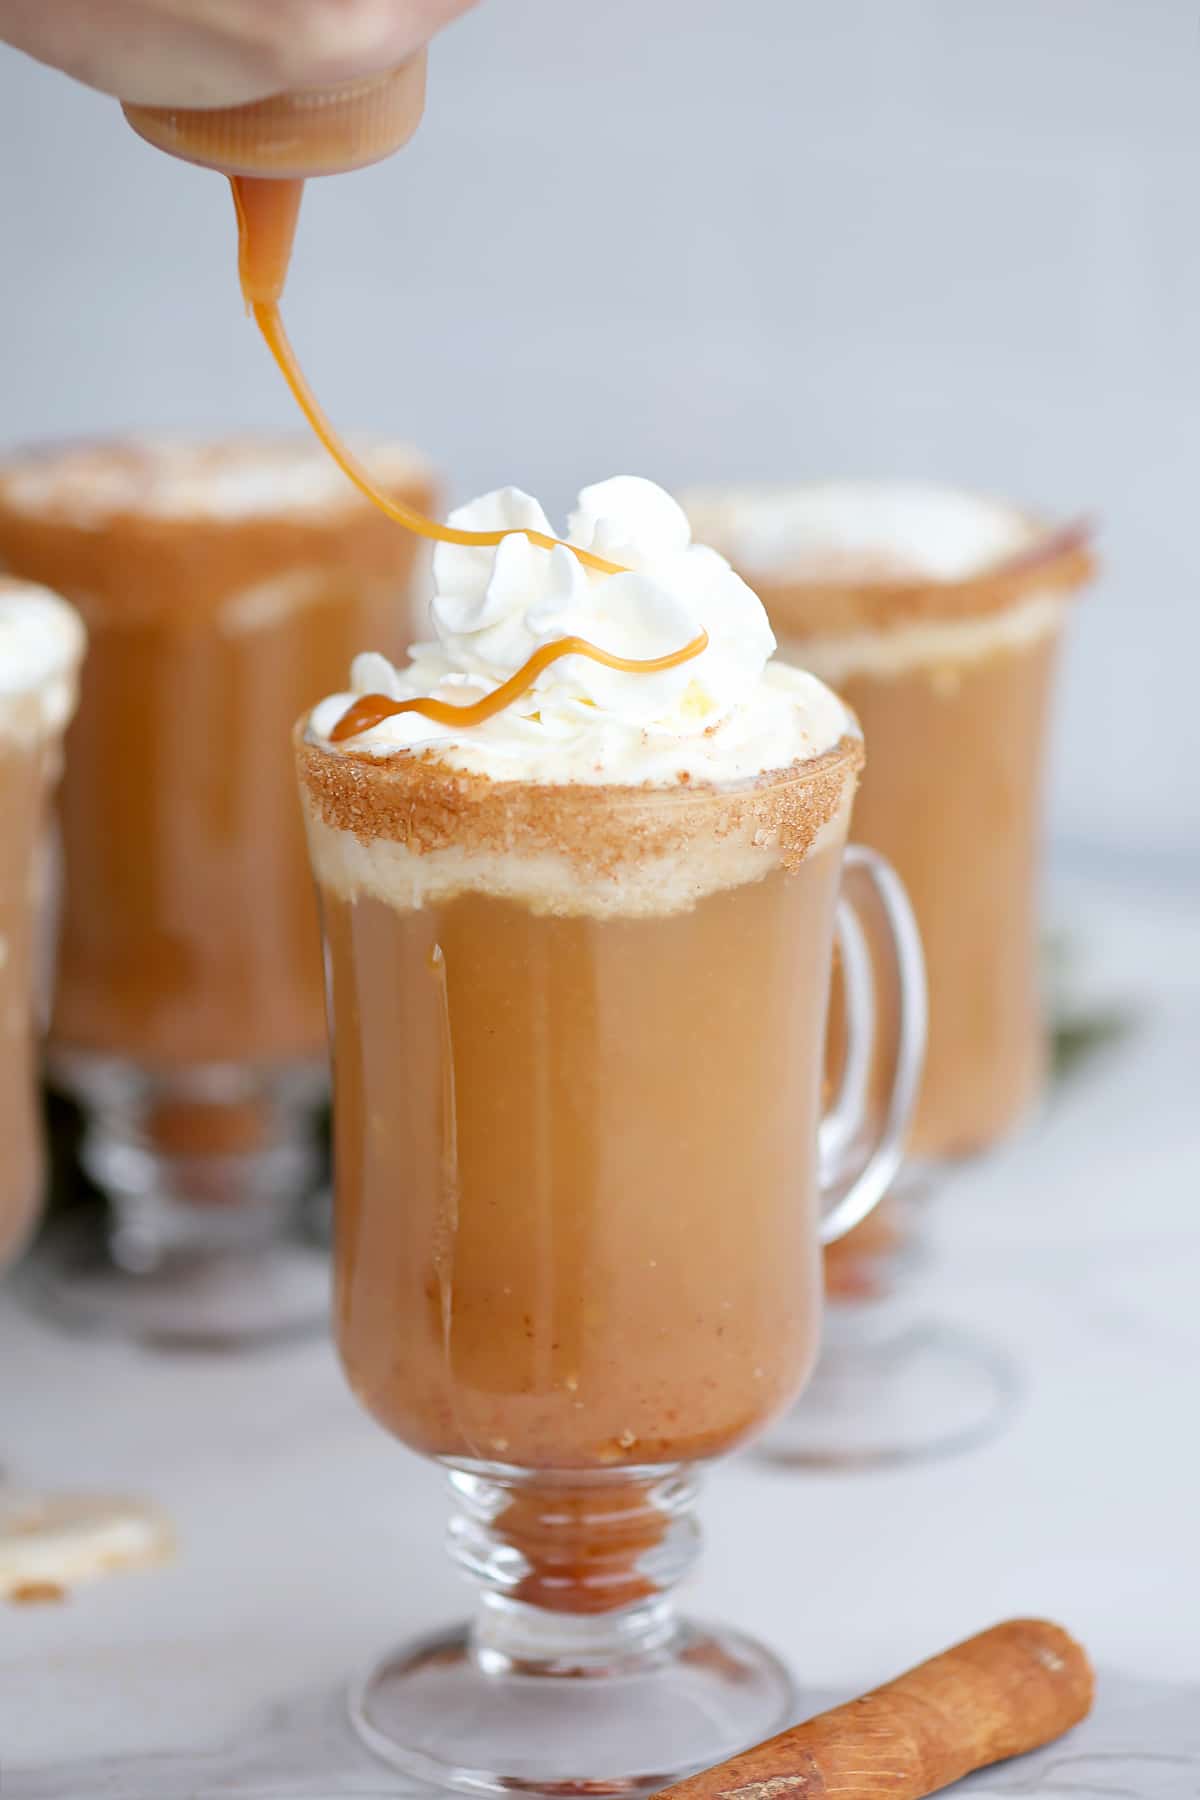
(271, 147)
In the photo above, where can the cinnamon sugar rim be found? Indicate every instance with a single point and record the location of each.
(829, 609)
(423, 805)
(1053, 560)
(166, 479)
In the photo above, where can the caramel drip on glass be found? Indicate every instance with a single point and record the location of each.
(266, 214)
(373, 709)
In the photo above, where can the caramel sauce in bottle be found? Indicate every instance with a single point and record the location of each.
(268, 150)
(268, 212)
(372, 709)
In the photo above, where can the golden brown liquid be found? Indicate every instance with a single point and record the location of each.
(189, 931)
(952, 797)
(373, 709)
(583, 1547)
(576, 1194)
(575, 1226)
(267, 215)
(25, 774)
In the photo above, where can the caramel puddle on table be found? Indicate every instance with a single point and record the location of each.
(51, 1543)
(37, 1593)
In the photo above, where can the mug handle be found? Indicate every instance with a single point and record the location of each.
(861, 1140)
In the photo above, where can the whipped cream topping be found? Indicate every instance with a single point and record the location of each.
(41, 646)
(726, 715)
(885, 530)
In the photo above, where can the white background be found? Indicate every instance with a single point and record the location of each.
(710, 238)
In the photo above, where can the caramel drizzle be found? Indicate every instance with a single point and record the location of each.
(266, 214)
(270, 322)
(266, 217)
(373, 709)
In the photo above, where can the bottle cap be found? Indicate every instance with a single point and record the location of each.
(314, 131)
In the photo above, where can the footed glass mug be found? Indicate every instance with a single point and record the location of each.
(582, 1187)
(218, 580)
(938, 615)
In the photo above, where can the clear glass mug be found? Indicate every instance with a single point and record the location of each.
(218, 581)
(577, 1040)
(938, 615)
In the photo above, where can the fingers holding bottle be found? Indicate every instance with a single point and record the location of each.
(197, 53)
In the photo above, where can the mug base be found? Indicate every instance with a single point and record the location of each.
(928, 1392)
(442, 1710)
(223, 1299)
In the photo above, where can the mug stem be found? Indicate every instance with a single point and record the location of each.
(206, 1172)
(575, 1571)
(576, 1674)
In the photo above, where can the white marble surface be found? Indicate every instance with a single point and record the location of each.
(308, 1541)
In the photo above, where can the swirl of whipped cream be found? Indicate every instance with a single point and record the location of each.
(727, 714)
(41, 646)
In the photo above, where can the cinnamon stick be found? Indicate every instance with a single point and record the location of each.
(1009, 1690)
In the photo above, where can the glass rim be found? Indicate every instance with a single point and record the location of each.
(1051, 558)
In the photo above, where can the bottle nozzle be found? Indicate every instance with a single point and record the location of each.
(271, 147)
(267, 215)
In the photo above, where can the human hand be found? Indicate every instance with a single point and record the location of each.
(220, 52)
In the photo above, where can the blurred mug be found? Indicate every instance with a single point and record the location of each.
(937, 614)
(219, 583)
